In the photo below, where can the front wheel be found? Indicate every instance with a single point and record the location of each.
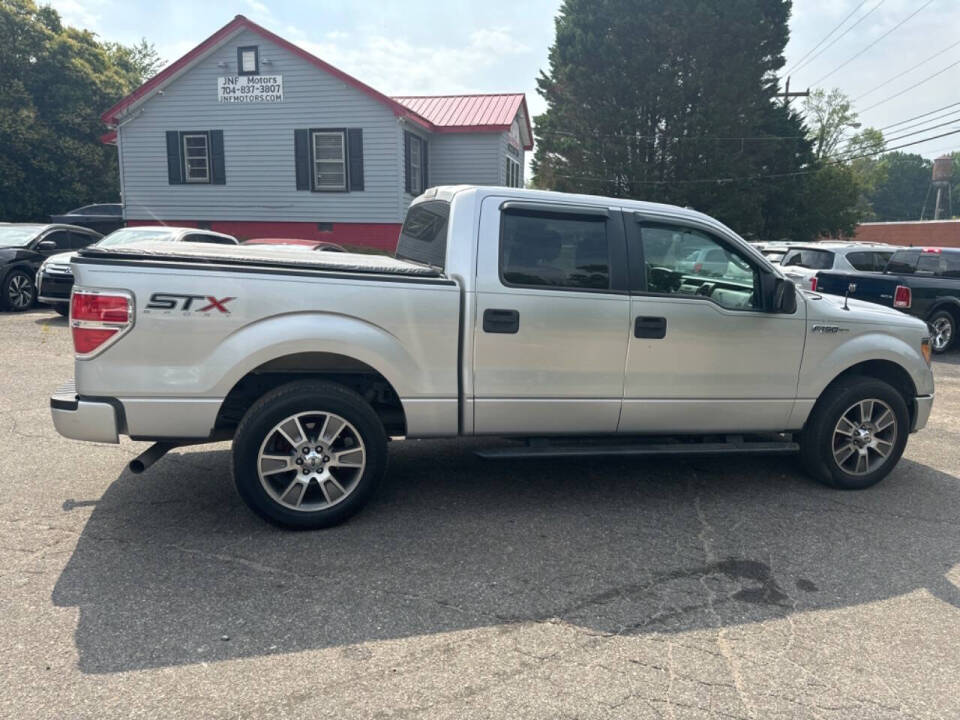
(856, 434)
(309, 455)
(18, 291)
(944, 327)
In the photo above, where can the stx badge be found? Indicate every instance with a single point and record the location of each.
(186, 303)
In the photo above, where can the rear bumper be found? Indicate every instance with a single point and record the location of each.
(922, 406)
(91, 420)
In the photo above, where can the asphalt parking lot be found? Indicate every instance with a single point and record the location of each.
(582, 589)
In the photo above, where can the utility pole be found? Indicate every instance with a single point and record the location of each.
(786, 94)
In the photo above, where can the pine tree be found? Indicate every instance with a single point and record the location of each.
(654, 100)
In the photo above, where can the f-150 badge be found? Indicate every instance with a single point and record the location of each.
(829, 329)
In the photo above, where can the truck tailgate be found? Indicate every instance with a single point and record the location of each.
(870, 287)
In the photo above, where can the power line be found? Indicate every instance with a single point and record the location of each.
(854, 57)
(930, 120)
(915, 85)
(909, 70)
(929, 112)
(839, 37)
(952, 121)
(796, 173)
(827, 37)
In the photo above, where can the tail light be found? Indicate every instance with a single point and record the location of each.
(902, 297)
(98, 318)
(813, 283)
(697, 267)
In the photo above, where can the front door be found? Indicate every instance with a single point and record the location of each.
(703, 356)
(551, 317)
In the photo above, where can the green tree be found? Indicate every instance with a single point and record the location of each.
(863, 153)
(901, 194)
(55, 82)
(675, 102)
(829, 116)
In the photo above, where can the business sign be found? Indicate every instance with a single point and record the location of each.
(250, 89)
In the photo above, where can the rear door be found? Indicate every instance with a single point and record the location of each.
(703, 356)
(551, 318)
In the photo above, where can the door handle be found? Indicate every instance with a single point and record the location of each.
(652, 328)
(501, 321)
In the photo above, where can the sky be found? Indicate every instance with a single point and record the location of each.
(461, 46)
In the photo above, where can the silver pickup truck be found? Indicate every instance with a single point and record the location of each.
(570, 325)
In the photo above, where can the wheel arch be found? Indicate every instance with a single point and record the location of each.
(950, 304)
(359, 376)
(887, 371)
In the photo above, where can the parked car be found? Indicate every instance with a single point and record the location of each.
(566, 320)
(319, 245)
(23, 247)
(774, 250)
(801, 263)
(55, 275)
(923, 282)
(102, 217)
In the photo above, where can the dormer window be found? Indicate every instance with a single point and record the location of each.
(248, 60)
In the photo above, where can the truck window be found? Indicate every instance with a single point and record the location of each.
(903, 262)
(929, 263)
(423, 237)
(810, 259)
(951, 265)
(715, 271)
(561, 251)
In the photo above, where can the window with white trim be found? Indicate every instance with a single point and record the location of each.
(416, 163)
(196, 158)
(513, 173)
(329, 160)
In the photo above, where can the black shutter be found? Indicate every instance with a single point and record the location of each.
(218, 175)
(301, 153)
(406, 161)
(424, 166)
(174, 163)
(355, 156)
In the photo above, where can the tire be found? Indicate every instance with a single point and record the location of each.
(290, 476)
(63, 309)
(18, 292)
(944, 330)
(823, 448)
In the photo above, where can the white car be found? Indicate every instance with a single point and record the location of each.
(801, 263)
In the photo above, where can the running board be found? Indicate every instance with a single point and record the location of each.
(547, 449)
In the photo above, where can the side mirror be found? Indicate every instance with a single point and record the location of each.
(784, 297)
(47, 246)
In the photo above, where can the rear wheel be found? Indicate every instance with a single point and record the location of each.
(309, 455)
(18, 292)
(944, 326)
(855, 434)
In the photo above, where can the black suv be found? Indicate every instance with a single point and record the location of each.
(23, 247)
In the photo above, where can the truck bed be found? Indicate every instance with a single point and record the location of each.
(262, 256)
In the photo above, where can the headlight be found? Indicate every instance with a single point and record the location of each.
(927, 349)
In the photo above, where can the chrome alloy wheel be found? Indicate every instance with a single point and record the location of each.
(942, 333)
(864, 437)
(311, 461)
(20, 291)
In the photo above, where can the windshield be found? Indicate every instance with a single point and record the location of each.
(18, 235)
(128, 236)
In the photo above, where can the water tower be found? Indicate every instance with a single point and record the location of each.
(942, 174)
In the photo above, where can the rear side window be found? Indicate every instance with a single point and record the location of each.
(542, 249)
(79, 240)
(903, 262)
(868, 261)
(951, 265)
(423, 237)
(810, 259)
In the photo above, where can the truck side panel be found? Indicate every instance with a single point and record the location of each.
(408, 334)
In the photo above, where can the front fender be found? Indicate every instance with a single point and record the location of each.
(822, 364)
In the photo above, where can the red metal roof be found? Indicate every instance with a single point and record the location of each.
(438, 113)
(470, 113)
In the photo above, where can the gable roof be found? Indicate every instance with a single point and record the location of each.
(235, 26)
(437, 113)
(472, 113)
